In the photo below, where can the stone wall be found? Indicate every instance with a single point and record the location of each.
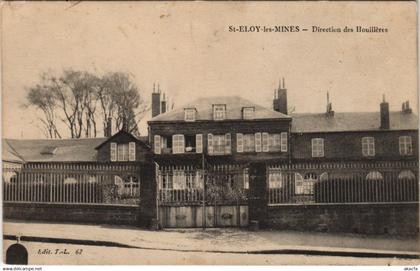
(77, 213)
(394, 219)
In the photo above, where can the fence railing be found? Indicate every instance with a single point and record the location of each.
(185, 184)
(356, 185)
(72, 183)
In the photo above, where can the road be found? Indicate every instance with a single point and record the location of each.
(59, 254)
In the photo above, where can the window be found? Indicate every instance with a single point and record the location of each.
(166, 181)
(248, 113)
(219, 112)
(179, 180)
(406, 175)
(265, 142)
(113, 151)
(123, 151)
(275, 180)
(317, 147)
(249, 143)
(189, 114)
(190, 143)
(199, 143)
(283, 141)
(131, 151)
(219, 144)
(258, 142)
(374, 176)
(246, 178)
(406, 145)
(274, 143)
(305, 186)
(239, 142)
(156, 142)
(178, 144)
(323, 177)
(368, 146)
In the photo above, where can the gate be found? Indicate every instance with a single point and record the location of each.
(192, 197)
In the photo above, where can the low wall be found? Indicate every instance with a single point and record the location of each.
(395, 219)
(77, 213)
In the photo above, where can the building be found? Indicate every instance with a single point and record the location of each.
(227, 161)
(310, 159)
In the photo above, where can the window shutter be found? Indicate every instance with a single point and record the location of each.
(199, 143)
(265, 142)
(239, 142)
(132, 151)
(181, 143)
(228, 145)
(373, 146)
(113, 152)
(156, 142)
(210, 143)
(258, 142)
(321, 147)
(283, 141)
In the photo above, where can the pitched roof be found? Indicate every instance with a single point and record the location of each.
(234, 105)
(67, 150)
(351, 121)
(9, 154)
(142, 139)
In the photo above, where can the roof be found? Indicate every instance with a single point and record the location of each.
(67, 150)
(9, 154)
(234, 105)
(142, 139)
(351, 121)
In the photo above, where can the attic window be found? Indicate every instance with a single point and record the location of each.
(248, 113)
(189, 114)
(49, 150)
(219, 111)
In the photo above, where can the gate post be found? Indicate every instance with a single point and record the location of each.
(148, 208)
(257, 200)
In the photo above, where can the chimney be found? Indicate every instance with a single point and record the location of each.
(163, 104)
(280, 98)
(108, 128)
(406, 108)
(329, 112)
(125, 124)
(155, 101)
(384, 114)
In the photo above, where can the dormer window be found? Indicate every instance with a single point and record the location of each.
(189, 114)
(219, 111)
(248, 113)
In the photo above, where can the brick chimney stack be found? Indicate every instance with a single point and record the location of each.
(108, 128)
(155, 101)
(406, 108)
(329, 112)
(384, 114)
(163, 104)
(280, 98)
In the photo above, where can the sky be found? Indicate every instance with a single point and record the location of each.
(188, 49)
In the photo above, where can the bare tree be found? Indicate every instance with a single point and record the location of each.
(41, 98)
(80, 100)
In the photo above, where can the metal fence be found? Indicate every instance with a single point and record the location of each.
(186, 184)
(72, 183)
(364, 183)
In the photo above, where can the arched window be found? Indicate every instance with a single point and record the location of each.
(374, 176)
(323, 176)
(70, 180)
(406, 175)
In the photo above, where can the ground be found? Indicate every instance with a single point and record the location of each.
(128, 256)
(131, 245)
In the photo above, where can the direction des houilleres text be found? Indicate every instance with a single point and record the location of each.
(313, 29)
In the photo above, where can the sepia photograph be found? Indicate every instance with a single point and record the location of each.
(210, 133)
